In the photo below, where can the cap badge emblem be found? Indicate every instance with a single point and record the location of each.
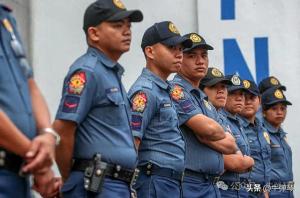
(119, 4)
(235, 80)
(274, 81)
(216, 73)
(278, 94)
(173, 28)
(246, 84)
(195, 38)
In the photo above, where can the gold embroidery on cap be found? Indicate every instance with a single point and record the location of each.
(173, 28)
(216, 73)
(278, 94)
(195, 38)
(246, 84)
(119, 4)
(235, 80)
(274, 81)
(267, 137)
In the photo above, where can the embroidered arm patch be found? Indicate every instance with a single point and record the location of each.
(77, 83)
(177, 93)
(139, 102)
(70, 104)
(136, 122)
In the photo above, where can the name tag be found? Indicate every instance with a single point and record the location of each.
(275, 145)
(112, 90)
(166, 105)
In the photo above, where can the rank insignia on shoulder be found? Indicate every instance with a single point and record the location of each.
(139, 102)
(177, 93)
(267, 137)
(77, 83)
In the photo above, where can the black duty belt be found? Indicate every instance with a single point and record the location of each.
(10, 161)
(202, 176)
(152, 169)
(113, 171)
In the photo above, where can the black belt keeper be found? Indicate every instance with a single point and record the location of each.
(113, 171)
(152, 169)
(205, 177)
(10, 161)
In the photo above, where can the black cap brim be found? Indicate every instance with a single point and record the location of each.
(235, 88)
(252, 92)
(176, 40)
(277, 101)
(199, 45)
(133, 15)
(215, 81)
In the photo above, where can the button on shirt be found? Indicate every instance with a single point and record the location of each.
(281, 155)
(189, 101)
(236, 129)
(15, 98)
(94, 97)
(154, 121)
(259, 141)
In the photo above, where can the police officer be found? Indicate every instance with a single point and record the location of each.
(94, 111)
(154, 119)
(204, 160)
(270, 82)
(274, 105)
(259, 141)
(23, 115)
(264, 85)
(215, 86)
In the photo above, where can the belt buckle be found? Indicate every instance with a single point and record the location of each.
(222, 185)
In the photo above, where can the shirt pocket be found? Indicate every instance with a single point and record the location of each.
(115, 98)
(167, 113)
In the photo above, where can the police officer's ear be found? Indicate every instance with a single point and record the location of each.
(148, 51)
(93, 34)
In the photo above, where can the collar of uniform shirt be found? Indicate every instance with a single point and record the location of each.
(187, 86)
(272, 129)
(154, 78)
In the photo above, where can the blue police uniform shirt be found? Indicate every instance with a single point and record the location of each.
(15, 98)
(93, 97)
(154, 121)
(236, 129)
(190, 101)
(281, 155)
(259, 141)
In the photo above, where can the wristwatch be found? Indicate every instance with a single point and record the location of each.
(54, 133)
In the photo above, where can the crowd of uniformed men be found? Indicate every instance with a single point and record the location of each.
(201, 134)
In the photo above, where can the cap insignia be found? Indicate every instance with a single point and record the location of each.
(195, 38)
(246, 84)
(216, 73)
(278, 94)
(173, 28)
(119, 4)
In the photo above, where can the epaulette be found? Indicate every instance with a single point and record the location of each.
(6, 8)
(147, 84)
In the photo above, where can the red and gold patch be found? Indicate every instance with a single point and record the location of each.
(139, 102)
(77, 83)
(177, 93)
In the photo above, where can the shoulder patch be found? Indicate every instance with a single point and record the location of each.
(139, 102)
(77, 83)
(177, 92)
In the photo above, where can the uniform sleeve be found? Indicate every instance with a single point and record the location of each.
(184, 104)
(77, 96)
(142, 111)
